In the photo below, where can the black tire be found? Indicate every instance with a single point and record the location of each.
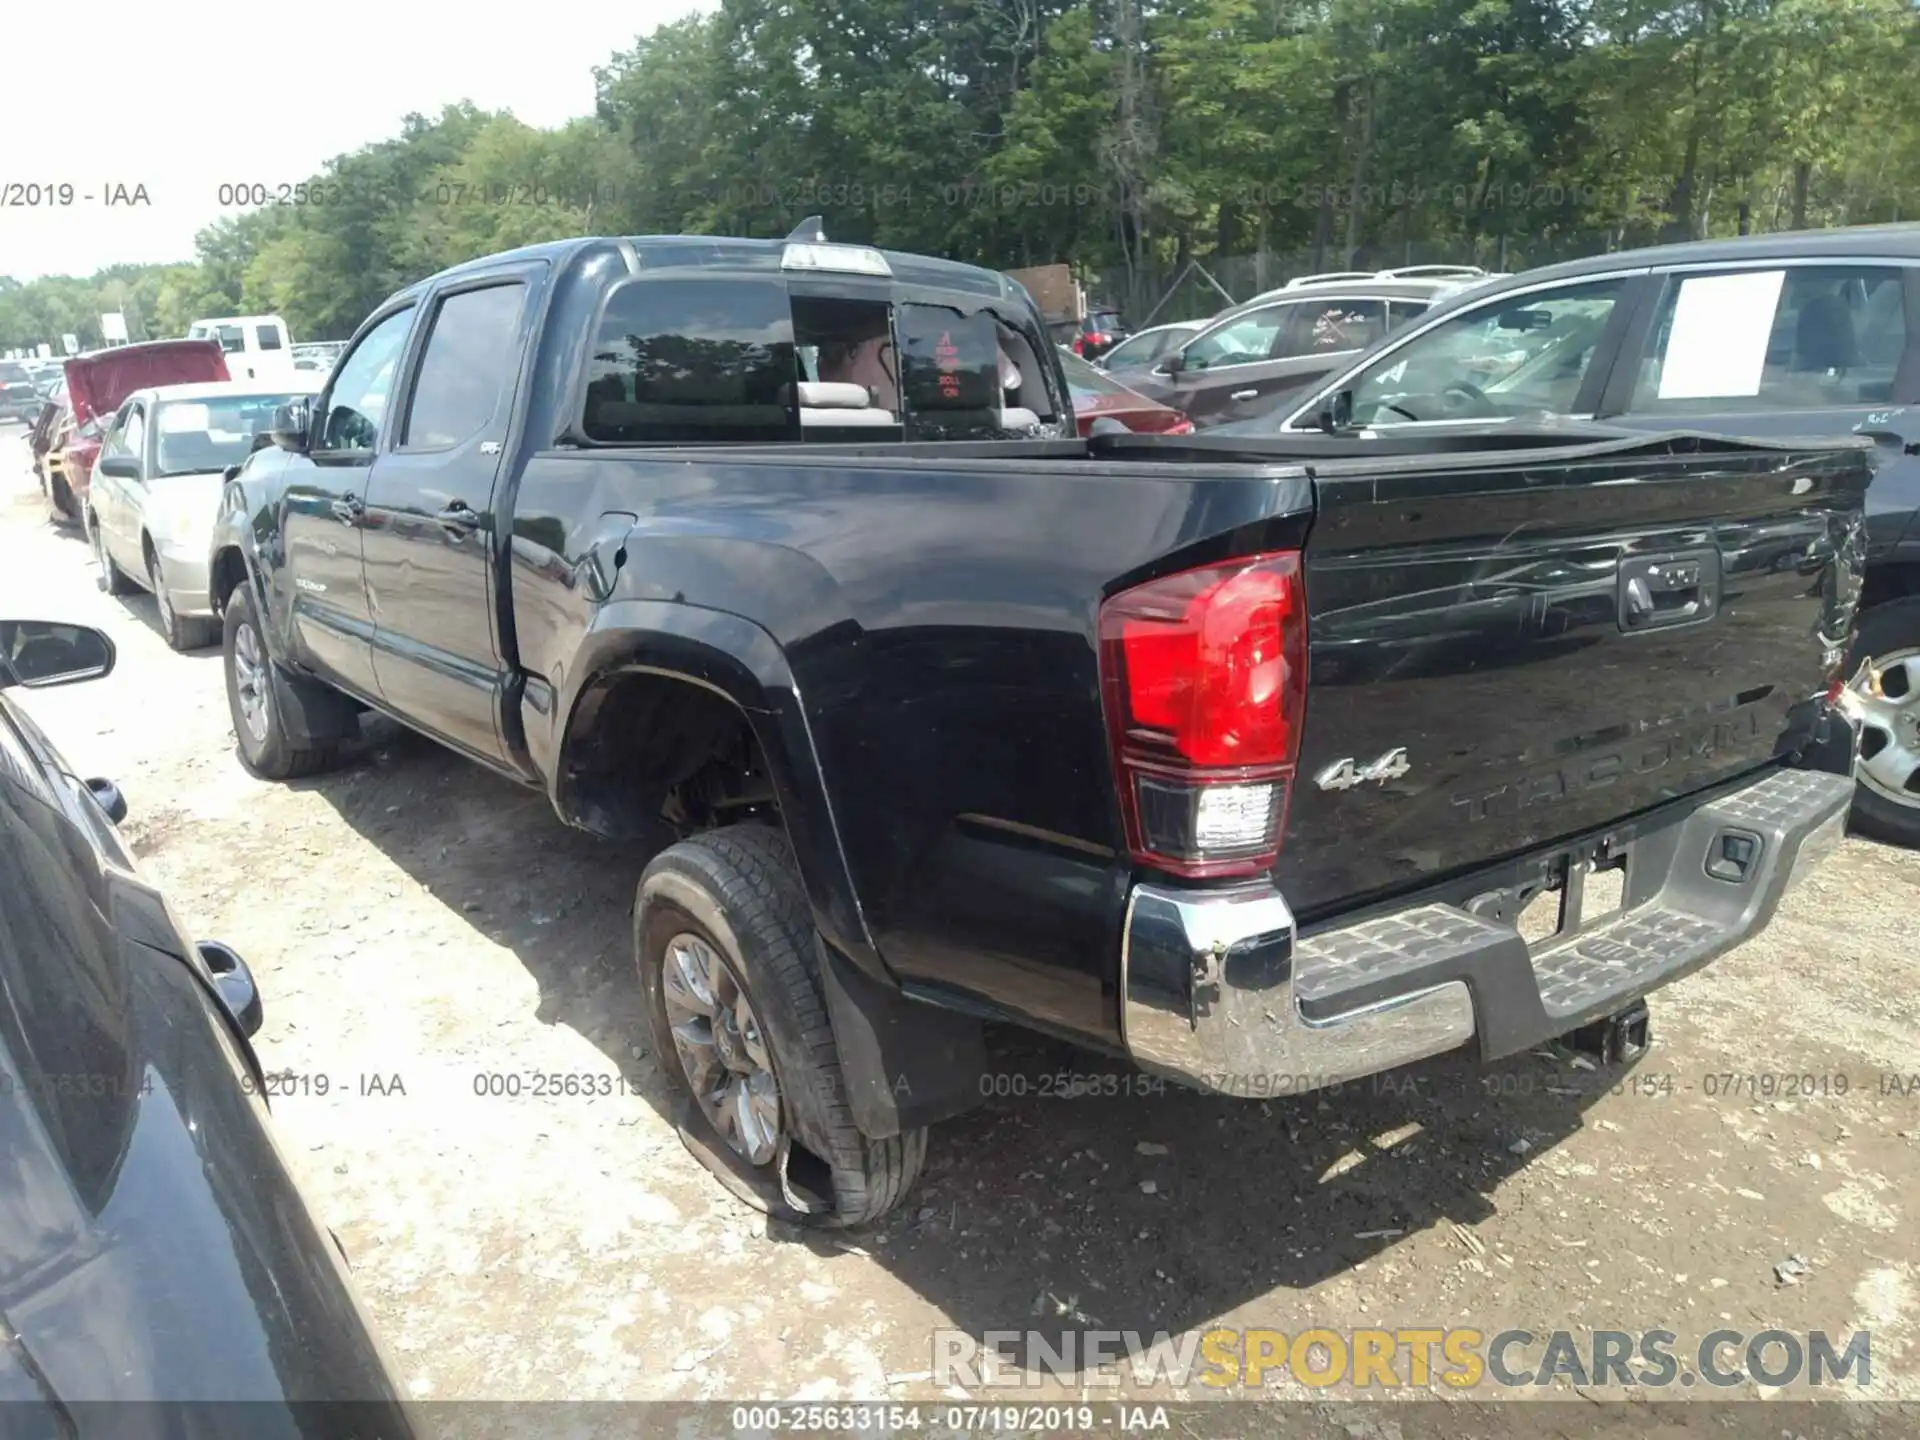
(62, 497)
(270, 755)
(1885, 630)
(739, 890)
(107, 575)
(182, 632)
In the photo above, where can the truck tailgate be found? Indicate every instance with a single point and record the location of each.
(1506, 651)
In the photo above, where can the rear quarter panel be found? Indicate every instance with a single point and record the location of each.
(938, 619)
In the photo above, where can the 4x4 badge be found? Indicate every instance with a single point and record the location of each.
(1344, 774)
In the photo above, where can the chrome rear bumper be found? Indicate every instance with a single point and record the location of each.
(1220, 991)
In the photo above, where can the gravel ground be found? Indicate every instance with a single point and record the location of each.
(418, 924)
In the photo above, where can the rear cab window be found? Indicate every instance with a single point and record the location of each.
(1790, 338)
(683, 357)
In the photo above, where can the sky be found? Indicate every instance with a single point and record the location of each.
(246, 93)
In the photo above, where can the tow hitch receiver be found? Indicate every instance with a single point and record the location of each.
(1620, 1038)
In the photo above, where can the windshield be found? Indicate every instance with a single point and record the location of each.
(201, 435)
(1505, 358)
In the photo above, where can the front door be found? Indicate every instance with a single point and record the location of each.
(430, 541)
(324, 500)
(114, 509)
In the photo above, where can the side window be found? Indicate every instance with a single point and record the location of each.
(356, 403)
(267, 336)
(467, 373)
(1522, 355)
(1237, 342)
(688, 359)
(1399, 312)
(1804, 337)
(128, 433)
(233, 339)
(1329, 328)
(115, 440)
(951, 377)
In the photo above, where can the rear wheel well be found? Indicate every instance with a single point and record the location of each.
(1889, 582)
(228, 573)
(655, 757)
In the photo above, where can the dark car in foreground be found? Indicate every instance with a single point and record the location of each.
(1241, 759)
(1811, 334)
(153, 1245)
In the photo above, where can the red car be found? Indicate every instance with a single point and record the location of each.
(97, 384)
(1099, 396)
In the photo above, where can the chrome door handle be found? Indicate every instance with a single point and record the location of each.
(348, 509)
(1244, 394)
(458, 519)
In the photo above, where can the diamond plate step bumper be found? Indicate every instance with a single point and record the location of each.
(1221, 992)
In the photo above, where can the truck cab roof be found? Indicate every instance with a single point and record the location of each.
(709, 252)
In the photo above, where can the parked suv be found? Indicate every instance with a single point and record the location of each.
(1783, 335)
(1253, 357)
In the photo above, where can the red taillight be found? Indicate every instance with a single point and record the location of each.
(1080, 345)
(1204, 676)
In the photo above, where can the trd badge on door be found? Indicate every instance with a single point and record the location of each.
(1344, 774)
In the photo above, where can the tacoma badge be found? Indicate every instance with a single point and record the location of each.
(1344, 774)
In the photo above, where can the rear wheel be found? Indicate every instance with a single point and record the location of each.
(258, 731)
(728, 972)
(1886, 804)
(62, 497)
(183, 632)
(108, 576)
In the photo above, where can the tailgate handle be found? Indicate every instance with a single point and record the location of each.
(1658, 591)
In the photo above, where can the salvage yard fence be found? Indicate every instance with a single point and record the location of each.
(1178, 290)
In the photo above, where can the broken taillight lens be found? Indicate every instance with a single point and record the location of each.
(1204, 677)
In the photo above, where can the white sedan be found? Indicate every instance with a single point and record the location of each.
(156, 488)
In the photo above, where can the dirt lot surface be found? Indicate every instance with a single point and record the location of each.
(418, 924)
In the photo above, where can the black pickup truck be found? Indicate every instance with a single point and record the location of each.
(1240, 758)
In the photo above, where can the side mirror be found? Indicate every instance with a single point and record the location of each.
(233, 982)
(40, 653)
(291, 424)
(1336, 412)
(109, 797)
(121, 467)
(1175, 362)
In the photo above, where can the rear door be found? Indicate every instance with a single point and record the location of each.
(1507, 652)
(112, 498)
(430, 537)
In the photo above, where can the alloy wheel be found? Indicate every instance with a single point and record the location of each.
(1887, 695)
(250, 681)
(722, 1049)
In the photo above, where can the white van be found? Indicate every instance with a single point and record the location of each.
(258, 346)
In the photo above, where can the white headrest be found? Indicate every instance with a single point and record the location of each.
(848, 418)
(1018, 419)
(834, 395)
